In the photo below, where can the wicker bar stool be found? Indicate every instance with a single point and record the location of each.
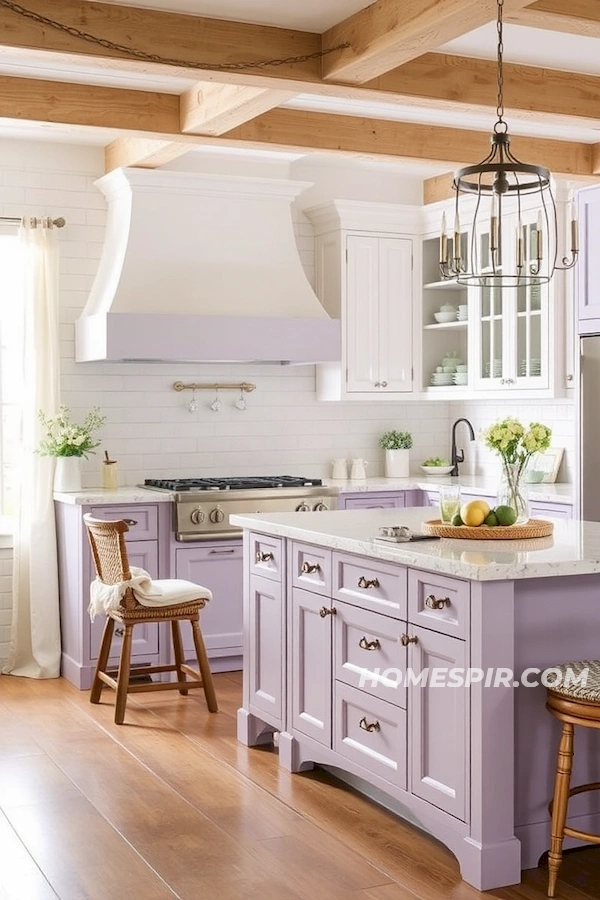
(178, 601)
(572, 704)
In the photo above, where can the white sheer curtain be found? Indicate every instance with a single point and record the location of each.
(35, 635)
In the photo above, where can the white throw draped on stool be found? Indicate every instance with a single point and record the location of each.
(169, 592)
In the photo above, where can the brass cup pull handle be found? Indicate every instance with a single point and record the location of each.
(130, 521)
(119, 632)
(369, 645)
(264, 557)
(369, 726)
(432, 602)
(327, 611)
(309, 568)
(406, 639)
(368, 582)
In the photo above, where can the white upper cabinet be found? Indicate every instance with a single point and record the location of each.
(365, 276)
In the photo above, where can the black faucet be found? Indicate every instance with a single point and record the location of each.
(458, 456)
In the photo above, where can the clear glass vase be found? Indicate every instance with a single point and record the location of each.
(512, 491)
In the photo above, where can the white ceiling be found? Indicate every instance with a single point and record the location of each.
(304, 15)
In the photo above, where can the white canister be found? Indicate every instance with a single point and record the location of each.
(339, 469)
(358, 469)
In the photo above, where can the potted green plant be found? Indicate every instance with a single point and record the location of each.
(396, 445)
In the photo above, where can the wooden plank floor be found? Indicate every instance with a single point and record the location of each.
(170, 805)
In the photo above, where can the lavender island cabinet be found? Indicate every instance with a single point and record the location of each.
(151, 545)
(325, 605)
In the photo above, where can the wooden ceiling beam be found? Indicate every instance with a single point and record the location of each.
(391, 32)
(437, 80)
(575, 17)
(199, 43)
(144, 153)
(209, 108)
(296, 129)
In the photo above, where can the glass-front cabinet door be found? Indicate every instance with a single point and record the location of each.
(531, 316)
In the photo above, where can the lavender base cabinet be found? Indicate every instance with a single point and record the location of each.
(218, 566)
(147, 546)
(380, 499)
(473, 765)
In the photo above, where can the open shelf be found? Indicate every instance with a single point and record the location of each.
(440, 326)
(446, 285)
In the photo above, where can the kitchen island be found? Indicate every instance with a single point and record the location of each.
(339, 630)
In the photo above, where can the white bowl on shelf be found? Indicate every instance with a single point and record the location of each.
(436, 470)
(443, 317)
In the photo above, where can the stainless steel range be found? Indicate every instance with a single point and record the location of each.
(203, 505)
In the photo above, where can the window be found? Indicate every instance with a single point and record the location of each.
(11, 294)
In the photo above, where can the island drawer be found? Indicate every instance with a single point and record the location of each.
(371, 584)
(311, 568)
(371, 733)
(142, 520)
(438, 602)
(368, 653)
(265, 556)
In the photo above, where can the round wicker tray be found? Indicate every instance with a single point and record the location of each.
(535, 528)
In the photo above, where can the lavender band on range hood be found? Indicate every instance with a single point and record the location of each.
(199, 268)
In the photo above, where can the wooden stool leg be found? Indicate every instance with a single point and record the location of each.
(207, 680)
(559, 804)
(107, 636)
(123, 676)
(178, 652)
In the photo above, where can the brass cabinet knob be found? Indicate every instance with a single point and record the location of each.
(406, 639)
(384, 384)
(308, 568)
(569, 378)
(369, 645)
(432, 602)
(369, 726)
(263, 557)
(327, 611)
(368, 583)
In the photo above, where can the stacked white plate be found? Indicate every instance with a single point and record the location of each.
(535, 367)
(460, 378)
(497, 371)
(442, 378)
(461, 317)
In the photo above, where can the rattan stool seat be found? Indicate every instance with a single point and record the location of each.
(109, 550)
(572, 704)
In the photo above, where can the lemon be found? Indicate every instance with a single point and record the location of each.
(484, 505)
(472, 513)
(506, 515)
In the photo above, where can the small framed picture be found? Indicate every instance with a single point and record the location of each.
(548, 462)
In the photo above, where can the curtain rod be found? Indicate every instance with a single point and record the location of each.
(60, 222)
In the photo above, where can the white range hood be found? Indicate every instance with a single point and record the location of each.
(202, 268)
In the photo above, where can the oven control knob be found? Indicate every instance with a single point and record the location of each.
(303, 507)
(216, 516)
(319, 507)
(198, 516)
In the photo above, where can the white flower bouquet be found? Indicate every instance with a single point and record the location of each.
(65, 438)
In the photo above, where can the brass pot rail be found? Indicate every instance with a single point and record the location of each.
(243, 386)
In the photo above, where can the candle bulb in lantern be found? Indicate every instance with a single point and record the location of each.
(539, 237)
(494, 224)
(519, 237)
(443, 242)
(457, 236)
(574, 229)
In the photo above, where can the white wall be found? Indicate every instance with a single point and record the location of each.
(148, 427)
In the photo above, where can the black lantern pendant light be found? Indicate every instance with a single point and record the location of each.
(499, 188)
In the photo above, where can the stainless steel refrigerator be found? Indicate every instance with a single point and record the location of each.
(589, 429)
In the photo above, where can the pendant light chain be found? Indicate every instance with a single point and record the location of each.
(500, 74)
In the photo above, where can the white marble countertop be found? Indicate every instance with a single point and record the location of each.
(97, 495)
(573, 549)
(562, 493)
(559, 493)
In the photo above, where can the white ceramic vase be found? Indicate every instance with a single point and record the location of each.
(67, 474)
(397, 463)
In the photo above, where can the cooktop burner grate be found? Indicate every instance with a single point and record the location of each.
(231, 484)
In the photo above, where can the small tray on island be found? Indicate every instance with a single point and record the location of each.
(534, 528)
